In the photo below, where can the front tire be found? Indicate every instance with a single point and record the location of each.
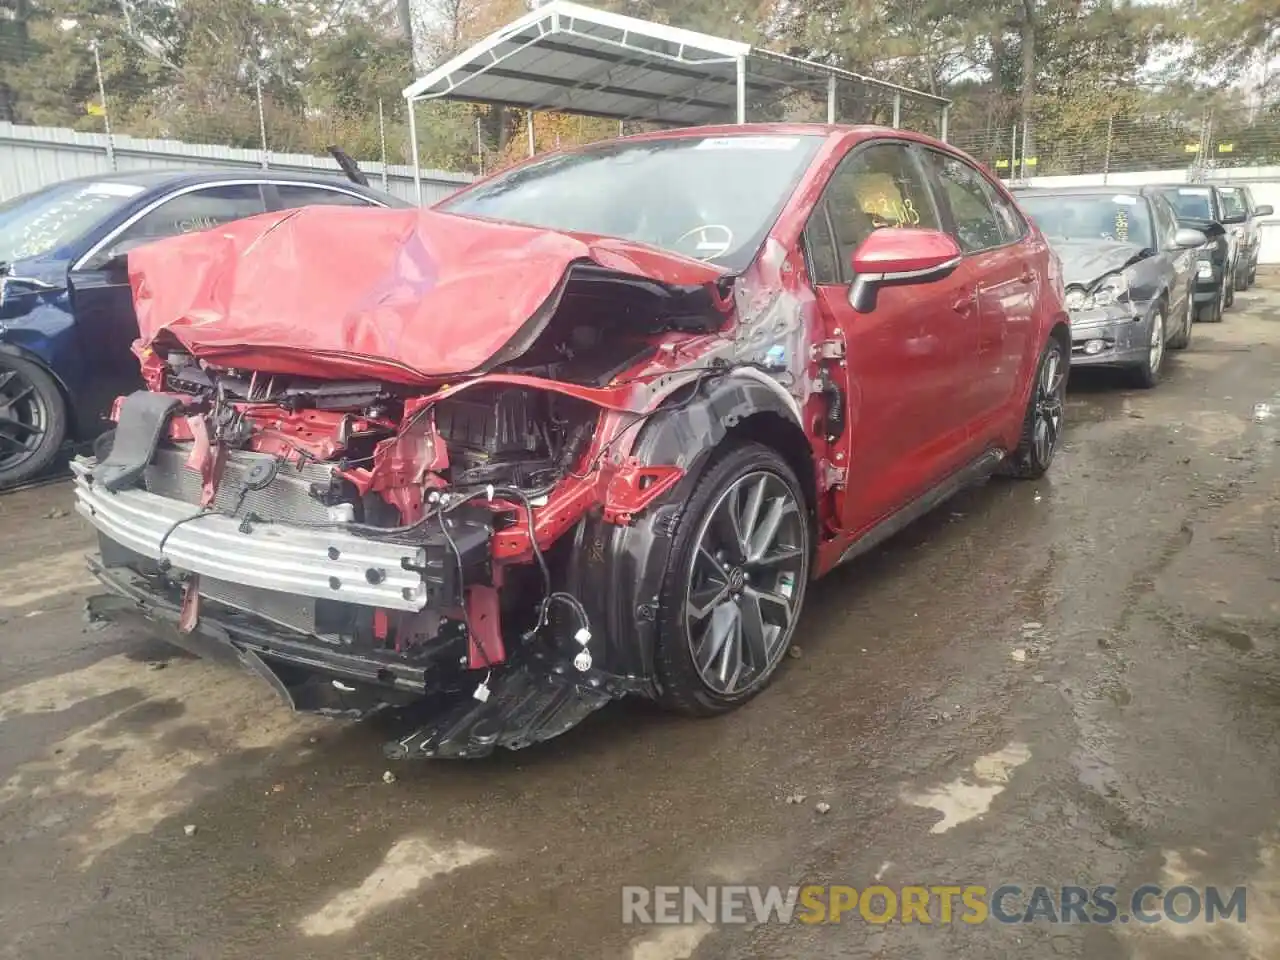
(735, 582)
(1241, 276)
(33, 420)
(1043, 421)
(1212, 312)
(1182, 339)
(1147, 373)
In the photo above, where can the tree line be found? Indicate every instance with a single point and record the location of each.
(319, 72)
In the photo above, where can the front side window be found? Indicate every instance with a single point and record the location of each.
(1121, 217)
(977, 225)
(1166, 221)
(710, 198)
(200, 209)
(876, 187)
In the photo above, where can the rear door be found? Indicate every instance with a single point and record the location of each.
(100, 294)
(908, 362)
(990, 231)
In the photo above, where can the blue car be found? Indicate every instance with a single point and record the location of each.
(66, 311)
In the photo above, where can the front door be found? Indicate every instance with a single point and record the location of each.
(103, 300)
(909, 360)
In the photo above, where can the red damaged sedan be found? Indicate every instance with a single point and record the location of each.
(585, 430)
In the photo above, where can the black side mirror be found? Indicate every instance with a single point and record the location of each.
(117, 264)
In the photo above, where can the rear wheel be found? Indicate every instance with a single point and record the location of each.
(734, 584)
(1043, 421)
(33, 420)
(1241, 276)
(1147, 373)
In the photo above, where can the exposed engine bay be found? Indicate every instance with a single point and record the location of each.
(455, 500)
(436, 472)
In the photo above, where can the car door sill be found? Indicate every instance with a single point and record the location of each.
(984, 466)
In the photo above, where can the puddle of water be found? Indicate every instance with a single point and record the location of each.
(161, 727)
(672, 943)
(36, 580)
(409, 864)
(1256, 939)
(965, 798)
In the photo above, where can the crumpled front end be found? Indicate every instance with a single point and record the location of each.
(366, 545)
(1115, 335)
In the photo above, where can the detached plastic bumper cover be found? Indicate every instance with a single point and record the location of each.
(320, 563)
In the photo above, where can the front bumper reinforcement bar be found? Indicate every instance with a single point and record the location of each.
(325, 564)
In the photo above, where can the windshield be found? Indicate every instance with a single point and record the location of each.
(44, 220)
(1113, 216)
(1195, 202)
(711, 198)
(1233, 210)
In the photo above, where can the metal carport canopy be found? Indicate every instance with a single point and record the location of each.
(569, 58)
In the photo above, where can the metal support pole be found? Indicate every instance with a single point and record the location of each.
(831, 99)
(529, 125)
(413, 148)
(479, 146)
(742, 89)
(1026, 144)
(942, 134)
(106, 117)
(382, 139)
(262, 123)
(1106, 159)
(1013, 153)
(897, 110)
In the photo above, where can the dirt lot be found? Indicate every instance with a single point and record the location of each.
(1134, 736)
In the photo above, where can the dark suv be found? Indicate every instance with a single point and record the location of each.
(1243, 217)
(1200, 206)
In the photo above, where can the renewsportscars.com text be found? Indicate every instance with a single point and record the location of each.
(934, 904)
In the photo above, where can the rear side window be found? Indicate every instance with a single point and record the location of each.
(304, 195)
(1012, 226)
(977, 224)
(876, 187)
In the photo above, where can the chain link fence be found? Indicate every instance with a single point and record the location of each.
(1111, 143)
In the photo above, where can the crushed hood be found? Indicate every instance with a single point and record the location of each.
(1084, 262)
(403, 295)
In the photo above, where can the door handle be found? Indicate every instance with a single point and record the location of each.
(966, 303)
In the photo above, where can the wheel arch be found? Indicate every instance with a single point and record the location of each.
(1061, 331)
(616, 572)
(68, 398)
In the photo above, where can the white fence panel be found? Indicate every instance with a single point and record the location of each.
(31, 157)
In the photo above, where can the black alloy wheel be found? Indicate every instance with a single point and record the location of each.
(735, 582)
(32, 420)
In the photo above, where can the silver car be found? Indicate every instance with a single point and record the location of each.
(1128, 269)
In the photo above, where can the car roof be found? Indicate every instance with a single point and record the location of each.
(783, 129)
(178, 177)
